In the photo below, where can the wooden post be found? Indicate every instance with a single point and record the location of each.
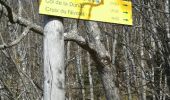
(54, 73)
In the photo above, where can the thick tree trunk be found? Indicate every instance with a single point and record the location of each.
(106, 74)
(103, 63)
(54, 82)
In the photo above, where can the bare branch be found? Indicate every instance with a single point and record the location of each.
(15, 42)
(34, 27)
(73, 36)
(94, 39)
(14, 18)
(9, 10)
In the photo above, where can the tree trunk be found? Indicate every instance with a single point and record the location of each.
(167, 9)
(165, 88)
(106, 74)
(127, 64)
(101, 59)
(143, 78)
(67, 70)
(90, 77)
(80, 72)
(167, 23)
(153, 81)
(160, 86)
(114, 44)
(54, 82)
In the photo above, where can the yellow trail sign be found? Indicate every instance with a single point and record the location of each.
(113, 11)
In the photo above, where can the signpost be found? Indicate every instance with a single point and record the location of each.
(54, 69)
(112, 11)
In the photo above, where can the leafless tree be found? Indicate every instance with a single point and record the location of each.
(127, 62)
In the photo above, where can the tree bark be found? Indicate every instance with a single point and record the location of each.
(90, 77)
(142, 69)
(167, 23)
(106, 74)
(54, 82)
(103, 62)
(80, 72)
(114, 44)
(167, 10)
(127, 64)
